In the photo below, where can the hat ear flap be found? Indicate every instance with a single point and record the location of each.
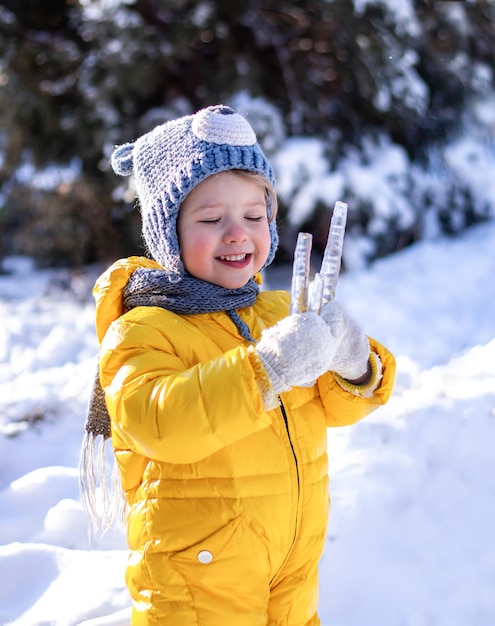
(122, 160)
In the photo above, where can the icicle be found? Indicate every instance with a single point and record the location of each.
(325, 282)
(300, 274)
(316, 293)
(330, 267)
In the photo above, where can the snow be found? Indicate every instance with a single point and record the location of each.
(413, 492)
(397, 198)
(472, 162)
(51, 176)
(400, 11)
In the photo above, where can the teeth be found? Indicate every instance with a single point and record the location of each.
(232, 257)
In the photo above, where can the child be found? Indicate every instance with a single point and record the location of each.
(219, 399)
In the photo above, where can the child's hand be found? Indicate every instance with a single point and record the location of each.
(297, 350)
(352, 346)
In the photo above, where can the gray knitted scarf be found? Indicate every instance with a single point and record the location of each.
(189, 296)
(147, 287)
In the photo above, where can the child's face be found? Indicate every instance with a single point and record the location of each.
(223, 230)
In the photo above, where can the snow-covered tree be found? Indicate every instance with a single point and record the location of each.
(404, 85)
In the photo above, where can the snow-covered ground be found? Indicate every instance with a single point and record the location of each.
(410, 541)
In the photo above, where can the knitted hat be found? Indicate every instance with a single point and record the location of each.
(169, 161)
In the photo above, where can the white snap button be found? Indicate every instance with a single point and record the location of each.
(205, 556)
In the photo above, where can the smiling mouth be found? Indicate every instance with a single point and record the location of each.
(233, 257)
(235, 260)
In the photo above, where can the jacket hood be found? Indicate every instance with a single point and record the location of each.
(109, 288)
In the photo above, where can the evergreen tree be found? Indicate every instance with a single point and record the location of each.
(79, 76)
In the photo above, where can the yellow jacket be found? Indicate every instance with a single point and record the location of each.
(222, 494)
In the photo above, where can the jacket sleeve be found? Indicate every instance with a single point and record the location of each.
(166, 411)
(343, 408)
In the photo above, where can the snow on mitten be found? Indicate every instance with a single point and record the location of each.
(352, 352)
(297, 350)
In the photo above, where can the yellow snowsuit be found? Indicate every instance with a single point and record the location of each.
(228, 502)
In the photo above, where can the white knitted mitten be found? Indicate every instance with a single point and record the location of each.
(352, 346)
(297, 350)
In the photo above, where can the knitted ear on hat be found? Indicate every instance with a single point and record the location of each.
(169, 161)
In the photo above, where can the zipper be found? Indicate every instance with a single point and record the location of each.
(284, 414)
(286, 421)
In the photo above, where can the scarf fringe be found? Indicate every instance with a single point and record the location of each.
(102, 496)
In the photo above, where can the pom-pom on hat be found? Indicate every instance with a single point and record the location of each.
(169, 161)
